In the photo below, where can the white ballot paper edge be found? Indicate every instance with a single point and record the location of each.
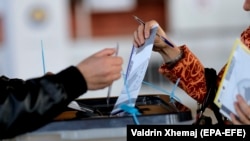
(236, 80)
(136, 70)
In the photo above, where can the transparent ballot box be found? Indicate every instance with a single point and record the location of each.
(93, 120)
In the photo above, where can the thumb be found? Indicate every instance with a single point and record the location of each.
(49, 73)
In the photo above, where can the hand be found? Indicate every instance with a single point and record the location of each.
(49, 73)
(143, 32)
(101, 68)
(243, 111)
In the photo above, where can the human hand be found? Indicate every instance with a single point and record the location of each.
(143, 32)
(243, 111)
(101, 68)
(49, 73)
(167, 52)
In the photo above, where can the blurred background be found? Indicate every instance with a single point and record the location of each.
(71, 30)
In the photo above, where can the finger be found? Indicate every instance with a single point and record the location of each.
(243, 106)
(116, 76)
(115, 72)
(116, 68)
(105, 52)
(140, 34)
(49, 73)
(111, 61)
(112, 65)
(242, 117)
(118, 61)
(136, 41)
(234, 119)
(148, 27)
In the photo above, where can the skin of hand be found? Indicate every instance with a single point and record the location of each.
(143, 32)
(243, 111)
(246, 5)
(101, 68)
(49, 73)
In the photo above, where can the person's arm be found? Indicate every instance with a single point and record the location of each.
(178, 62)
(191, 73)
(28, 105)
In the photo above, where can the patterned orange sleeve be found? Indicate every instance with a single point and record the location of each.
(191, 73)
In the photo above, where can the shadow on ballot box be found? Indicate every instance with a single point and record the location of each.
(94, 122)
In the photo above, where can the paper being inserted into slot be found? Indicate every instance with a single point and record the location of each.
(136, 70)
(76, 106)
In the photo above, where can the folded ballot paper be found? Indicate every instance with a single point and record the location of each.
(235, 80)
(136, 69)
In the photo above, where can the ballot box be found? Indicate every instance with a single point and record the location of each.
(94, 123)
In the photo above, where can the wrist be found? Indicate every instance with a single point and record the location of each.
(173, 61)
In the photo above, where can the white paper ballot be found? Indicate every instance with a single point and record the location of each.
(136, 69)
(236, 80)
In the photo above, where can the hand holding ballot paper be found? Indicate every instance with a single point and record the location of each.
(236, 80)
(136, 69)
